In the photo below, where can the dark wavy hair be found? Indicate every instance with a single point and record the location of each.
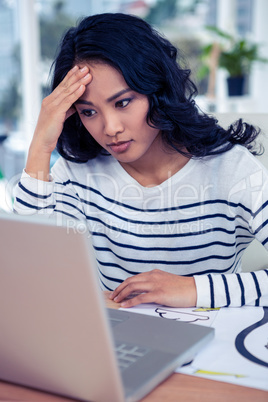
(150, 65)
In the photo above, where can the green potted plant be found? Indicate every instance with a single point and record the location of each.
(236, 56)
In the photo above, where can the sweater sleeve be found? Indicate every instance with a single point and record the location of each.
(232, 290)
(34, 196)
(245, 288)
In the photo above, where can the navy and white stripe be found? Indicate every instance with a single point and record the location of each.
(198, 222)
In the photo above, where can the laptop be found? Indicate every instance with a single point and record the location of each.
(57, 334)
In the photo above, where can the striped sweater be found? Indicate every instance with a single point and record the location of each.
(196, 223)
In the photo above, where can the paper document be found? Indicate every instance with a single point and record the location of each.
(239, 352)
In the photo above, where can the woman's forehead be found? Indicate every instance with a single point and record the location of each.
(106, 82)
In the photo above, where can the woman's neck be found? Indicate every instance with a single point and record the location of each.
(157, 167)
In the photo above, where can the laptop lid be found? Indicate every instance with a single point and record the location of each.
(55, 330)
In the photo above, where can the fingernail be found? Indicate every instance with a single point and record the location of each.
(83, 69)
(86, 76)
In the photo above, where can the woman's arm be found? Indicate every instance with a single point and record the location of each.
(231, 290)
(56, 108)
(37, 191)
(57, 196)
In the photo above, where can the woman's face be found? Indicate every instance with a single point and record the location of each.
(115, 115)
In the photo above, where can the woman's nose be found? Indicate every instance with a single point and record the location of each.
(112, 125)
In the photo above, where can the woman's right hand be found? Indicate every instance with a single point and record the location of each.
(55, 109)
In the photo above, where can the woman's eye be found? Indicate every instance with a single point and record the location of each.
(88, 112)
(122, 103)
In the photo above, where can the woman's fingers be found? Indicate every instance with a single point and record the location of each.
(124, 289)
(156, 287)
(58, 106)
(71, 88)
(148, 297)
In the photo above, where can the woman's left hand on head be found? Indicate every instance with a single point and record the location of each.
(156, 286)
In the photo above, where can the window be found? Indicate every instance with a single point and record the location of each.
(182, 21)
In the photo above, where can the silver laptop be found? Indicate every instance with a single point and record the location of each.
(56, 333)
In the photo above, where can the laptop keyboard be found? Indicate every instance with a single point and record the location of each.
(129, 354)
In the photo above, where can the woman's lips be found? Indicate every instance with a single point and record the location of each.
(120, 146)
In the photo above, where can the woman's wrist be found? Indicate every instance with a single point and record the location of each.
(38, 162)
(193, 301)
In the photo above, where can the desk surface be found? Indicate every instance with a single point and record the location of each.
(178, 387)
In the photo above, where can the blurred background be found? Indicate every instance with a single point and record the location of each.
(224, 42)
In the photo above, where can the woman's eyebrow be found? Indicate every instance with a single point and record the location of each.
(110, 99)
(113, 97)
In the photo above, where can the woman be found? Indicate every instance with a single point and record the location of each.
(170, 198)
